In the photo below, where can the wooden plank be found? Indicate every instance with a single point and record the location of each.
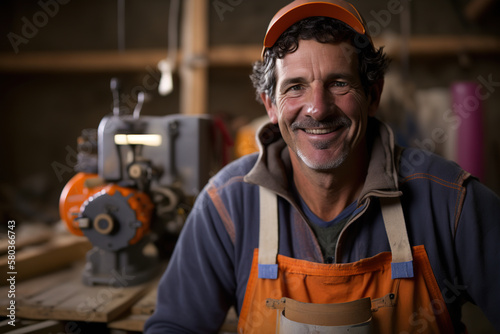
(43, 327)
(144, 308)
(28, 234)
(85, 61)
(452, 46)
(223, 55)
(66, 291)
(67, 298)
(5, 326)
(441, 46)
(132, 322)
(23, 326)
(44, 282)
(146, 305)
(136, 321)
(34, 261)
(233, 56)
(90, 304)
(139, 312)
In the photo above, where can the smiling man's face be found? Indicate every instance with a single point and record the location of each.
(321, 107)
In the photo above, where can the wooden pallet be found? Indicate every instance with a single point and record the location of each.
(27, 235)
(135, 319)
(58, 252)
(31, 327)
(144, 308)
(63, 296)
(49, 290)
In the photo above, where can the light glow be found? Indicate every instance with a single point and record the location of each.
(138, 139)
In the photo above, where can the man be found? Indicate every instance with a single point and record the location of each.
(331, 214)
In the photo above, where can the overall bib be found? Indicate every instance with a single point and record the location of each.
(391, 292)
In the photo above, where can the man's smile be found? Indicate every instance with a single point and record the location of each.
(321, 131)
(313, 127)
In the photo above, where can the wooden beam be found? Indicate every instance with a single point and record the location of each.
(193, 71)
(443, 46)
(234, 56)
(223, 56)
(85, 61)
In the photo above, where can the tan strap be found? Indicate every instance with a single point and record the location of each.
(395, 226)
(268, 234)
(335, 314)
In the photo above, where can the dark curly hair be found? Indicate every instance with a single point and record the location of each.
(372, 63)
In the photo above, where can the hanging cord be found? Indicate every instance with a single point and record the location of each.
(167, 65)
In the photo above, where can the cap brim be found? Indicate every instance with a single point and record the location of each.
(309, 10)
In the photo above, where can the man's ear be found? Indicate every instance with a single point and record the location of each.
(374, 97)
(271, 109)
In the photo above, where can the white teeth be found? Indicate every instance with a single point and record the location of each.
(318, 131)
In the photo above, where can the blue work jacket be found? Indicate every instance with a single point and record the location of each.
(448, 211)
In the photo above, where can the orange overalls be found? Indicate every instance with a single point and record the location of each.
(403, 294)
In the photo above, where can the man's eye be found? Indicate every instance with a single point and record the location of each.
(339, 84)
(295, 87)
(340, 87)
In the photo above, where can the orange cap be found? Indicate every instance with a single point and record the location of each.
(301, 9)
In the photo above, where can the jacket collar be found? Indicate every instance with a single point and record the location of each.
(273, 168)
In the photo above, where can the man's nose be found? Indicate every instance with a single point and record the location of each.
(321, 102)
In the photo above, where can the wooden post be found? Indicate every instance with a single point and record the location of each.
(193, 71)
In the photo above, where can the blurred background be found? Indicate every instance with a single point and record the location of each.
(57, 58)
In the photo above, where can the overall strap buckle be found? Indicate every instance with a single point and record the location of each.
(395, 226)
(268, 234)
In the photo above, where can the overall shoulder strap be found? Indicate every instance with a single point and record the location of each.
(392, 213)
(395, 226)
(268, 234)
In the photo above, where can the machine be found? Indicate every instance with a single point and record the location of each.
(137, 179)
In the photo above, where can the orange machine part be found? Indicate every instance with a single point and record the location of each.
(75, 193)
(140, 203)
(72, 197)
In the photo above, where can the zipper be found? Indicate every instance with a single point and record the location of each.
(367, 200)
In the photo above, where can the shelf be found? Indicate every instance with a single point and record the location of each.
(85, 61)
(444, 46)
(227, 56)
